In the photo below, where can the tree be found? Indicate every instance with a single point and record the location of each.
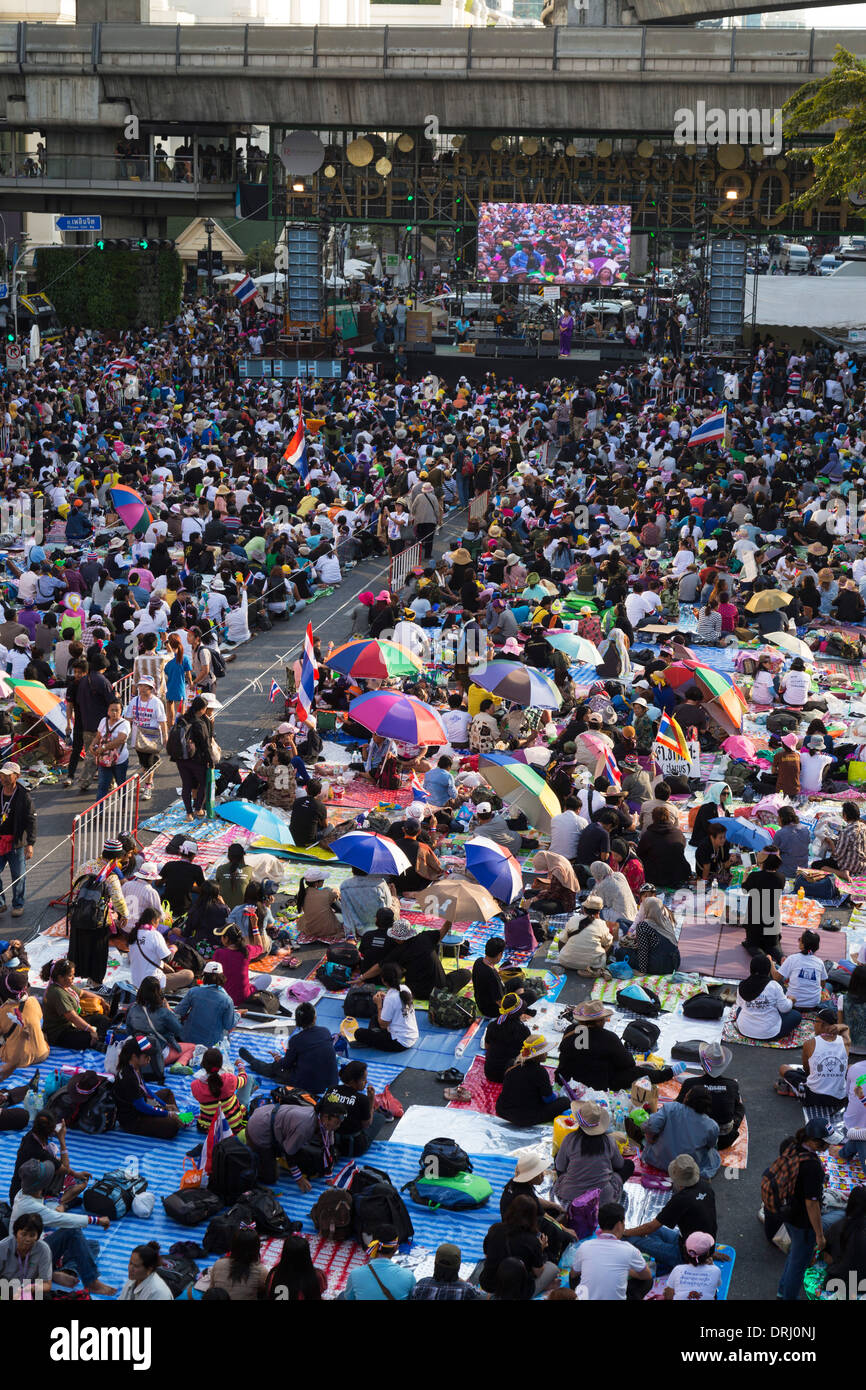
(260, 260)
(839, 98)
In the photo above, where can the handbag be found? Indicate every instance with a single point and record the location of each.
(6, 843)
(146, 743)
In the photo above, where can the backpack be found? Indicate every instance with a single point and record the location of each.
(192, 1206)
(88, 909)
(178, 744)
(779, 1181)
(334, 976)
(378, 1206)
(217, 663)
(233, 1171)
(344, 953)
(112, 1195)
(98, 1114)
(447, 1010)
(582, 1215)
(443, 1158)
(704, 1006)
(647, 1008)
(177, 1271)
(462, 1192)
(641, 1036)
(269, 1216)
(221, 1230)
(282, 1095)
(333, 1214)
(359, 1002)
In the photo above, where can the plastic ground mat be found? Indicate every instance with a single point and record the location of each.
(844, 1177)
(804, 1030)
(671, 992)
(434, 1050)
(709, 948)
(484, 1093)
(336, 1259)
(362, 794)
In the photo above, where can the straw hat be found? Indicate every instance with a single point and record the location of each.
(592, 1118)
(530, 1164)
(590, 1010)
(535, 1046)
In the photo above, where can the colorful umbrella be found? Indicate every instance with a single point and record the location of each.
(768, 600)
(791, 644)
(495, 867)
(263, 820)
(712, 684)
(728, 710)
(521, 788)
(374, 659)
(41, 701)
(743, 833)
(394, 715)
(457, 900)
(131, 508)
(375, 854)
(522, 685)
(739, 746)
(577, 647)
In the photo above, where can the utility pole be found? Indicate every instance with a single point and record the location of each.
(210, 228)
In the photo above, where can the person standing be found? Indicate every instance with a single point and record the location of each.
(804, 1222)
(111, 750)
(147, 716)
(201, 754)
(93, 696)
(17, 834)
(427, 515)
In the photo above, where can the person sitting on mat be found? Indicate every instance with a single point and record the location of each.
(726, 1106)
(683, 1127)
(764, 1011)
(140, 1110)
(803, 972)
(395, 1028)
(822, 1079)
(505, 1037)
(309, 1062)
(527, 1096)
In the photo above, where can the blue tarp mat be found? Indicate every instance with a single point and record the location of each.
(434, 1050)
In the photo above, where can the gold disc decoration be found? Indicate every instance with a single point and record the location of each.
(359, 153)
(497, 143)
(405, 143)
(383, 167)
(781, 162)
(730, 156)
(457, 142)
(604, 149)
(571, 150)
(756, 153)
(646, 149)
(529, 146)
(329, 171)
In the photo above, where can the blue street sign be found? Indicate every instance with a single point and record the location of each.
(79, 224)
(4, 290)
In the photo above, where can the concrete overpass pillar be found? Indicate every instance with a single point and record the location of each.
(118, 11)
(597, 14)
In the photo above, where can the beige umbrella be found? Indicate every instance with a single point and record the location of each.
(791, 644)
(457, 899)
(768, 600)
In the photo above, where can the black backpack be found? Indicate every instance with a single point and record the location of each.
(358, 1003)
(98, 1114)
(177, 1271)
(282, 1095)
(112, 1195)
(647, 1008)
(233, 1171)
(641, 1035)
(89, 907)
(178, 744)
(344, 953)
(217, 663)
(443, 1158)
(269, 1217)
(378, 1207)
(192, 1205)
(704, 1006)
(334, 976)
(218, 1237)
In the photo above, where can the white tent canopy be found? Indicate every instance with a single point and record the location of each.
(806, 301)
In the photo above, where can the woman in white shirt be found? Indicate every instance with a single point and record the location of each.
(804, 972)
(396, 1027)
(110, 748)
(795, 685)
(823, 1078)
(150, 954)
(763, 1009)
(586, 939)
(700, 1278)
(144, 1284)
(148, 715)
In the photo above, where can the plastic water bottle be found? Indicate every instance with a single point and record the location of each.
(553, 951)
(679, 1067)
(32, 1103)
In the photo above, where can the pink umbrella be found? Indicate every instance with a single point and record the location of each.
(739, 746)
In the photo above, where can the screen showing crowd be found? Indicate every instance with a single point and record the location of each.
(556, 243)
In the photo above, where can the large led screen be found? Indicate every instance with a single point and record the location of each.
(553, 243)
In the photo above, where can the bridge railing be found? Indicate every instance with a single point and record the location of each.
(268, 51)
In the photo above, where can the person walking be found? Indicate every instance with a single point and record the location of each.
(426, 511)
(147, 717)
(202, 754)
(17, 834)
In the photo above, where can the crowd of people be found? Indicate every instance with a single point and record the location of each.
(614, 562)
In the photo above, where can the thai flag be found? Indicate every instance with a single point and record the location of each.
(610, 769)
(416, 787)
(345, 1177)
(296, 449)
(714, 427)
(671, 736)
(276, 692)
(309, 677)
(119, 364)
(590, 491)
(219, 1129)
(245, 290)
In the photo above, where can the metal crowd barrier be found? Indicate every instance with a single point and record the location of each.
(115, 814)
(478, 506)
(401, 565)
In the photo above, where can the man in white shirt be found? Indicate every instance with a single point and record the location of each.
(328, 569)
(565, 829)
(456, 721)
(606, 1263)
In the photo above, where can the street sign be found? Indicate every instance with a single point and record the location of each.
(4, 290)
(79, 224)
(13, 355)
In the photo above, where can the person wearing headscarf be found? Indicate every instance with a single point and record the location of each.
(651, 944)
(716, 802)
(616, 662)
(555, 886)
(612, 887)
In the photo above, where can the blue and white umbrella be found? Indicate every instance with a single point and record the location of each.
(495, 868)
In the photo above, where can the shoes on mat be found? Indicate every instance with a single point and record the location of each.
(458, 1093)
(451, 1077)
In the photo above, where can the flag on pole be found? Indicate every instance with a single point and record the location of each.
(671, 736)
(276, 692)
(245, 290)
(610, 769)
(309, 676)
(219, 1129)
(416, 787)
(296, 449)
(590, 491)
(713, 428)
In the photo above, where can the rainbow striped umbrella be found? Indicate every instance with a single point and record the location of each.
(394, 715)
(131, 508)
(374, 658)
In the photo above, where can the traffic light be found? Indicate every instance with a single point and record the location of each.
(410, 197)
(143, 245)
(10, 337)
(100, 245)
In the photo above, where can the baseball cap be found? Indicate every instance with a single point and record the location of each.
(699, 1242)
(821, 1129)
(484, 808)
(189, 847)
(447, 1257)
(213, 967)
